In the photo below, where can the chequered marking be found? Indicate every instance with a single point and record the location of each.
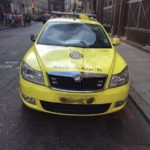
(129, 113)
(135, 147)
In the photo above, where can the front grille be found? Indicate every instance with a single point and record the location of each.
(75, 108)
(69, 84)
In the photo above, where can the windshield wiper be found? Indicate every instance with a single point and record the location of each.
(84, 44)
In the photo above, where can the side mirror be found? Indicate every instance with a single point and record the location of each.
(32, 37)
(116, 41)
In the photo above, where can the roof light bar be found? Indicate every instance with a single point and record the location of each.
(75, 15)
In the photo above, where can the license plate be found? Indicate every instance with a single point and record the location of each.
(77, 101)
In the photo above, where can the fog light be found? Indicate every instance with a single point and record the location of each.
(120, 103)
(29, 99)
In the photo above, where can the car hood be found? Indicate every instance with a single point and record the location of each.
(68, 59)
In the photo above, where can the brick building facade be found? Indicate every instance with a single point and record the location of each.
(56, 5)
(24, 6)
(130, 18)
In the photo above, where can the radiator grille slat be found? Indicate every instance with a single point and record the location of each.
(68, 83)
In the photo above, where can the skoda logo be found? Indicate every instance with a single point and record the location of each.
(76, 55)
(77, 78)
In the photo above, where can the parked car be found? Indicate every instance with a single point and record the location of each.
(73, 68)
(39, 18)
(45, 18)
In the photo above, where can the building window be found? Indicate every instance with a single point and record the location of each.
(107, 3)
(110, 3)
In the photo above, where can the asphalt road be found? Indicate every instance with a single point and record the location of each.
(25, 129)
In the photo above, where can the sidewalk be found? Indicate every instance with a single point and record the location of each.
(145, 48)
(139, 68)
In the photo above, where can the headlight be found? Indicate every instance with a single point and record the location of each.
(120, 79)
(30, 74)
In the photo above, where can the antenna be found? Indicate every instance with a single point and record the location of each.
(75, 6)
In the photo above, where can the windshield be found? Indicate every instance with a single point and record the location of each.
(74, 35)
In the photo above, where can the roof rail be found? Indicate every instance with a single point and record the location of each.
(74, 15)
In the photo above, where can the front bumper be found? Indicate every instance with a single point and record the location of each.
(45, 95)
